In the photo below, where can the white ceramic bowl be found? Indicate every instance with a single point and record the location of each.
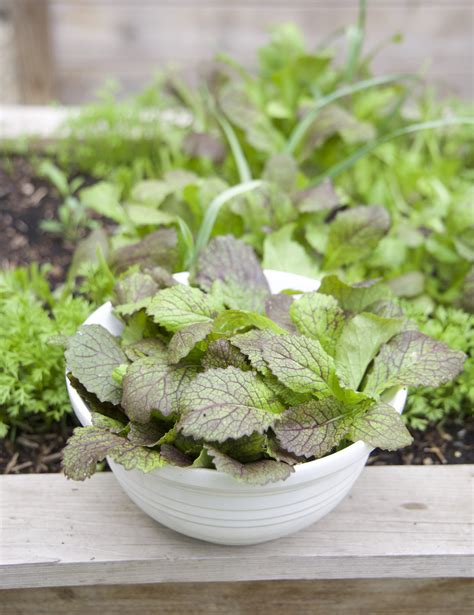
(213, 506)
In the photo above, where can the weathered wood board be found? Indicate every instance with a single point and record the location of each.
(334, 597)
(69, 55)
(126, 39)
(399, 522)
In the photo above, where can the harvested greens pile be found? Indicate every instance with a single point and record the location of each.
(224, 374)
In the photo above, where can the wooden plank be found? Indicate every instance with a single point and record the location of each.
(33, 51)
(45, 123)
(406, 522)
(128, 41)
(20, 120)
(387, 596)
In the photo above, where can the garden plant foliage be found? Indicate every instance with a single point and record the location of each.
(319, 166)
(321, 173)
(32, 393)
(203, 376)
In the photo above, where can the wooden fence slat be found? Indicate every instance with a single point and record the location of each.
(33, 51)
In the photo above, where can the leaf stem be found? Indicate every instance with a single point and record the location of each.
(356, 39)
(338, 168)
(212, 212)
(241, 162)
(302, 127)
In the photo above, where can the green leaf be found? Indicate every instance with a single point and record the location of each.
(214, 208)
(319, 316)
(151, 192)
(409, 284)
(53, 174)
(232, 270)
(230, 322)
(277, 308)
(92, 355)
(156, 249)
(101, 421)
(359, 342)
(276, 451)
(134, 293)
(142, 215)
(252, 344)
(148, 434)
(413, 359)
(221, 353)
(104, 198)
(175, 457)
(227, 403)
(372, 145)
(245, 449)
(354, 298)
(282, 253)
(240, 110)
(354, 234)
(184, 340)
(89, 445)
(300, 363)
(148, 347)
(180, 306)
(256, 473)
(281, 170)
(312, 429)
(382, 427)
(152, 385)
(318, 198)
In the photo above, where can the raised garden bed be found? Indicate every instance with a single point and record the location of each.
(25, 200)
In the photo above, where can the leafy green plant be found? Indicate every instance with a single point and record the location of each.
(223, 374)
(32, 393)
(72, 216)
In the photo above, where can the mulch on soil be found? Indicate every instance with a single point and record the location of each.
(26, 200)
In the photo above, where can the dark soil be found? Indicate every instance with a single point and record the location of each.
(34, 453)
(24, 202)
(447, 442)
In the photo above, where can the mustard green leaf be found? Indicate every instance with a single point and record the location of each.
(354, 234)
(227, 403)
(92, 355)
(184, 340)
(312, 429)
(359, 342)
(319, 316)
(221, 353)
(300, 363)
(150, 384)
(231, 268)
(357, 297)
(256, 473)
(180, 306)
(413, 359)
(381, 426)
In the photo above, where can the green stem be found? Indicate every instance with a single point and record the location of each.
(212, 212)
(242, 166)
(356, 38)
(303, 126)
(342, 166)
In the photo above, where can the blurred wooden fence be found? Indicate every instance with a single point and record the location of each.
(66, 49)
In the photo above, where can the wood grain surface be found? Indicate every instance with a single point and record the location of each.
(404, 522)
